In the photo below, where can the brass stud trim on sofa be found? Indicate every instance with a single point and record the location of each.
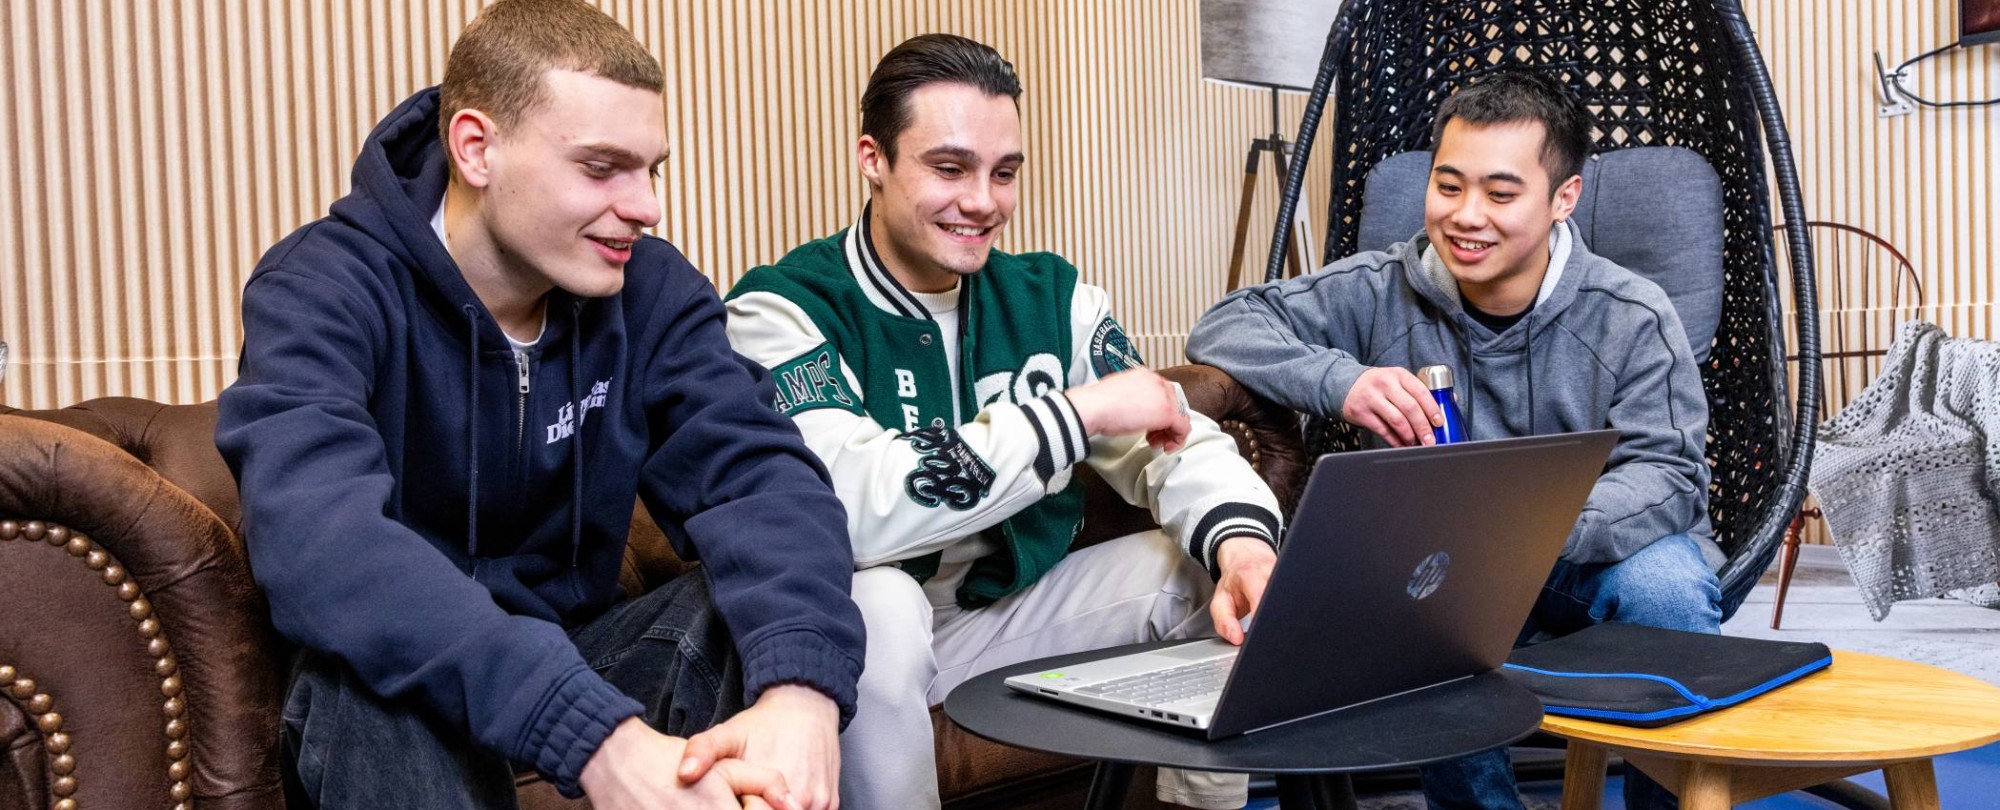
(1241, 431)
(41, 706)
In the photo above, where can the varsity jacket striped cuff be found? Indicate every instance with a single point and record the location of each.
(1225, 521)
(1060, 431)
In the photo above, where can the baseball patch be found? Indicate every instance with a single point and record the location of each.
(1111, 351)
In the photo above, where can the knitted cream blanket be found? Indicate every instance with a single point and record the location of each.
(1907, 474)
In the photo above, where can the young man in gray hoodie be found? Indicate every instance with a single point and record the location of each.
(1543, 336)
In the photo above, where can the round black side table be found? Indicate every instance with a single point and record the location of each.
(1311, 758)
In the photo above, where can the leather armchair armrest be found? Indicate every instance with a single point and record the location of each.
(133, 640)
(1266, 434)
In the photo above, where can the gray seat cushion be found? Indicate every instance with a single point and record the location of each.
(1656, 210)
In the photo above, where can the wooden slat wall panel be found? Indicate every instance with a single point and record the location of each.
(154, 149)
(1924, 182)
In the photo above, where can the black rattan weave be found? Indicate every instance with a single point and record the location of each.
(1654, 73)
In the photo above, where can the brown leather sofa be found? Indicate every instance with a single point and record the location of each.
(138, 666)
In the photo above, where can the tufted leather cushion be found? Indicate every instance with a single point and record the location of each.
(177, 441)
(130, 604)
(23, 781)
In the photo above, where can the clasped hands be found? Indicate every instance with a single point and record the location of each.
(782, 753)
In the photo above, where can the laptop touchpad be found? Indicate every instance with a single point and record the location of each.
(1198, 650)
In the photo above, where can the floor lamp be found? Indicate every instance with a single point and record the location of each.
(1272, 45)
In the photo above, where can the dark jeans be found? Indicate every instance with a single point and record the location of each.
(346, 747)
(1665, 584)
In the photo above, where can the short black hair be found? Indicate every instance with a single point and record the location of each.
(929, 59)
(1513, 97)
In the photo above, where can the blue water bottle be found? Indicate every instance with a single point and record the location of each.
(1438, 379)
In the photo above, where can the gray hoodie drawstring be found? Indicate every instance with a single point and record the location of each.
(1469, 405)
(1530, 350)
(1454, 328)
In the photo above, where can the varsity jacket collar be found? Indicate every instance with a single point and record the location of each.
(882, 289)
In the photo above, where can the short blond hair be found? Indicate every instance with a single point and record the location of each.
(498, 64)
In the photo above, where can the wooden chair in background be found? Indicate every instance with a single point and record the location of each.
(1867, 288)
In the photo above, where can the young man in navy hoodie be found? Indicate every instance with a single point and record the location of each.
(452, 387)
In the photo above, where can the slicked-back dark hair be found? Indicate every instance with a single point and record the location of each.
(929, 59)
(1514, 97)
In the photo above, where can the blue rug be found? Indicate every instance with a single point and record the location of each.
(1968, 780)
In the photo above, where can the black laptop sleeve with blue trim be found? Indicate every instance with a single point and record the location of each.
(1645, 676)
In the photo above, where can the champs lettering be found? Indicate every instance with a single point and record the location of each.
(812, 380)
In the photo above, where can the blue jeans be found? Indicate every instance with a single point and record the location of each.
(1666, 584)
(346, 747)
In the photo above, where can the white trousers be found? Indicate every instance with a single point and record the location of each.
(1140, 587)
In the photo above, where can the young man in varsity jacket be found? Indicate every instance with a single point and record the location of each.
(951, 388)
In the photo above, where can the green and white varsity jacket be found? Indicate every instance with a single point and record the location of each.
(973, 463)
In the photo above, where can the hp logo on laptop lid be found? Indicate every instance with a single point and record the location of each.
(1429, 575)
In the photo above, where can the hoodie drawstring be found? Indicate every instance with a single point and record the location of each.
(473, 441)
(1530, 349)
(1470, 404)
(472, 430)
(576, 441)
(1454, 328)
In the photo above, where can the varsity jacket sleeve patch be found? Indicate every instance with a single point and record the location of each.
(814, 379)
(909, 493)
(1201, 494)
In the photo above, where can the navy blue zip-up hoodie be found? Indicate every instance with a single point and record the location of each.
(419, 506)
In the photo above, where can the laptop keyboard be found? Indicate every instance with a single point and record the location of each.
(1163, 687)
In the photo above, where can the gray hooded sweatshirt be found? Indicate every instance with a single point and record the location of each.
(1601, 348)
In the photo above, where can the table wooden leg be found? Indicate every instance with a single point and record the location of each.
(1912, 785)
(1583, 776)
(1108, 786)
(1705, 786)
(1332, 791)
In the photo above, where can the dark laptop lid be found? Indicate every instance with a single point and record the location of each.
(1406, 568)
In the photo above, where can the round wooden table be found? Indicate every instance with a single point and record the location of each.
(1863, 713)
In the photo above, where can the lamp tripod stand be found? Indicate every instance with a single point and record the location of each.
(1299, 248)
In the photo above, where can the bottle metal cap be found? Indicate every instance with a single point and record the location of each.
(1435, 377)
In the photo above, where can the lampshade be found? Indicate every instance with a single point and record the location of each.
(1266, 43)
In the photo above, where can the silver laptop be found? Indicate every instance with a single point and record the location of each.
(1403, 569)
